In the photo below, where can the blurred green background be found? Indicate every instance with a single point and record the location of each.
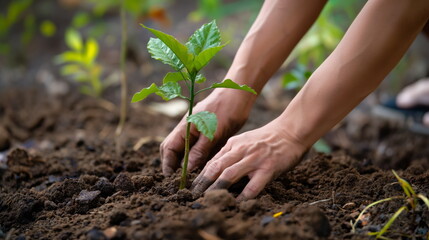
(61, 44)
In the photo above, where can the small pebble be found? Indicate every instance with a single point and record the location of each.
(196, 205)
(87, 196)
(95, 234)
(123, 183)
(110, 232)
(49, 205)
(267, 219)
(117, 217)
(105, 186)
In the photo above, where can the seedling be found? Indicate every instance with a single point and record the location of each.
(188, 60)
(410, 199)
(80, 65)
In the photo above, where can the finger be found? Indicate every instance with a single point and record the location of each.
(171, 151)
(212, 171)
(255, 185)
(222, 152)
(426, 119)
(231, 175)
(199, 152)
(414, 94)
(172, 148)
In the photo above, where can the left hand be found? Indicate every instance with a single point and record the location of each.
(262, 154)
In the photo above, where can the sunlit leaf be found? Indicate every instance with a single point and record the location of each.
(408, 190)
(228, 83)
(424, 198)
(48, 28)
(169, 91)
(200, 78)
(163, 53)
(205, 56)
(80, 19)
(180, 50)
(91, 50)
(74, 40)
(68, 56)
(173, 77)
(206, 37)
(70, 69)
(144, 93)
(206, 123)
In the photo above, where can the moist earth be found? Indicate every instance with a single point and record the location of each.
(62, 177)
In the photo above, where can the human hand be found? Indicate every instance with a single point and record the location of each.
(415, 94)
(262, 154)
(232, 108)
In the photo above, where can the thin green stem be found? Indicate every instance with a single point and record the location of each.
(124, 105)
(202, 90)
(186, 82)
(183, 179)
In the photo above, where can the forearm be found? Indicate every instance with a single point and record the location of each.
(372, 46)
(277, 29)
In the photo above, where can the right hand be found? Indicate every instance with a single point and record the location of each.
(232, 109)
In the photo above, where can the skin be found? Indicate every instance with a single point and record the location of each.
(372, 46)
(415, 94)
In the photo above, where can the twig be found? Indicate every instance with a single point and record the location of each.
(320, 201)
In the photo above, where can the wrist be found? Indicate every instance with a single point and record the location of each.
(232, 101)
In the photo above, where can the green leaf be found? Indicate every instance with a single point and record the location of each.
(366, 209)
(80, 19)
(290, 81)
(48, 28)
(169, 91)
(322, 146)
(206, 123)
(70, 69)
(74, 40)
(205, 56)
(180, 50)
(424, 198)
(144, 93)
(173, 77)
(91, 50)
(200, 78)
(408, 190)
(228, 83)
(163, 53)
(68, 56)
(391, 220)
(206, 37)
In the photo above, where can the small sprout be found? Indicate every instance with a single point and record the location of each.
(80, 65)
(188, 60)
(410, 203)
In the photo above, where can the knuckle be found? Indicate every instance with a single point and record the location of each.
(198, 153)
(229, 173)
(214, 168)
(251, 190)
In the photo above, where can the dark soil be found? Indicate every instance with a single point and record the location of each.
(62, 179)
